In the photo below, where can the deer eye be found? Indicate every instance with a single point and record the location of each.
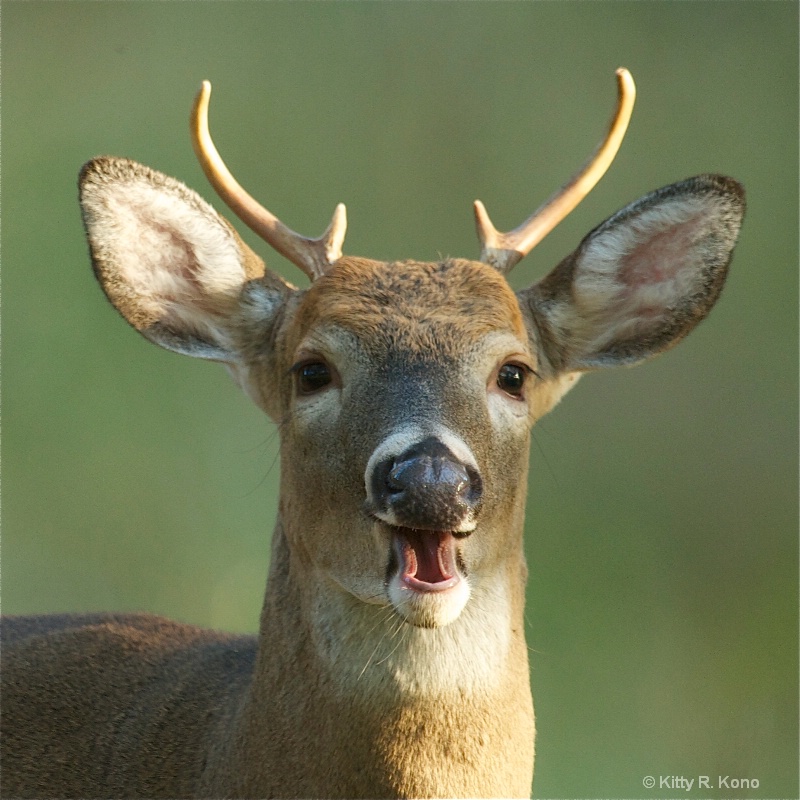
(511, 379)
(312, 376)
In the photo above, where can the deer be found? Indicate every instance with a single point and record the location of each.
(391, 658)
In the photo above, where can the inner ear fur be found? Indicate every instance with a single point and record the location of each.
(168, 262)
(641, 280)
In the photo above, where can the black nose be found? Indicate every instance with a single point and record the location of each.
(427, 487)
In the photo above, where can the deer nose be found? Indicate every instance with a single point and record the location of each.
(428, 488)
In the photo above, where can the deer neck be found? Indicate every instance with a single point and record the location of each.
(388, 708)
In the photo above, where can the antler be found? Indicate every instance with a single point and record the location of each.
(504, 250)
(314, 256)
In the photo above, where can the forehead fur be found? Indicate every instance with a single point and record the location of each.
(438, 307)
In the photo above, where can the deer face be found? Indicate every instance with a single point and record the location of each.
(406, 393)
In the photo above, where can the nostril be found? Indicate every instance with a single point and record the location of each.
(474, 485)
(394, 479)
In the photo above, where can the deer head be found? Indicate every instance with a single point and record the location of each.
(405, 391)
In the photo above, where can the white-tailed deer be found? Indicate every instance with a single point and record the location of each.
(391, 658)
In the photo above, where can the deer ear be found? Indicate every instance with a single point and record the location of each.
(172, 266)
(640, 281)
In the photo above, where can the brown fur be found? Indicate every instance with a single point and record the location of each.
(421, 308)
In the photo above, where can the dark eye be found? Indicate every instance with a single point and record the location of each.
(511, 379)
(312, 376)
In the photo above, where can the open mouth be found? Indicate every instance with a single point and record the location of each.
(426, 578)
(427, 561)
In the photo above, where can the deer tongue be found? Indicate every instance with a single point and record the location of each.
(427, 558)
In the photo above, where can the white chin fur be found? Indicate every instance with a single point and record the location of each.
(428, 609)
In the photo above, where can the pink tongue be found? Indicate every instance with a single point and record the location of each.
(428, 555)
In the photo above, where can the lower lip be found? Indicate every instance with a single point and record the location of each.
(425, 587)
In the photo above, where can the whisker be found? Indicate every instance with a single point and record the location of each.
(401, 625)
(383, 614)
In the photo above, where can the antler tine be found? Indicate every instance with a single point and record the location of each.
(504, 250)
(314, 256)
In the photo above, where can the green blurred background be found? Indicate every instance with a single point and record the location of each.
(662, 520)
